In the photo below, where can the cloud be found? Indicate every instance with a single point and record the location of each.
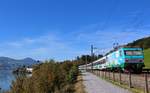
(43, 47)
(105, 38)
(14, 44)
(62, 46)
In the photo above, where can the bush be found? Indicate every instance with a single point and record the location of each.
(49, 77)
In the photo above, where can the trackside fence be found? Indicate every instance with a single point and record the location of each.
(140, 81)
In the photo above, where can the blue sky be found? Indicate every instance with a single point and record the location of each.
(63, 29)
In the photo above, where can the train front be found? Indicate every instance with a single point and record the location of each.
(134, 59)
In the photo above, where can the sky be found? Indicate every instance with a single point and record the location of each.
(64, 29)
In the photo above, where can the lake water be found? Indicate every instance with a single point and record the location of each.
(6, 78)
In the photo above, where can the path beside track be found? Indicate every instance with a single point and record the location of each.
(94, 84)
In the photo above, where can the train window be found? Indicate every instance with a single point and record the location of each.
(133, 52)
(104, 61)
(137, 52)
(120, 52)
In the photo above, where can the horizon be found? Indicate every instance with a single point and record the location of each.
(62, 30)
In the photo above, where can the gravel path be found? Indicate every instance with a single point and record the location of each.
(94, 84)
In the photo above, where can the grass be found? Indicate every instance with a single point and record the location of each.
(147, 58)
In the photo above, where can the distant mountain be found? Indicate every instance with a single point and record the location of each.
(144, 43)
(9, 63)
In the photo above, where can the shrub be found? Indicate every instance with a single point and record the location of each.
(49, 77)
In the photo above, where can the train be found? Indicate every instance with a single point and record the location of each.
(125, 59)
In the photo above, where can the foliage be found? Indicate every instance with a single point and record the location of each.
(72, 74)
(143, 43)
(52, 77)
(48, 77)
(87, 58)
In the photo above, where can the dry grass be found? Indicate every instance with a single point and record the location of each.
(79, 87)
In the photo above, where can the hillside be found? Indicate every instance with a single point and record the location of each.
(147, 57)
(144, 43)
(9, 63)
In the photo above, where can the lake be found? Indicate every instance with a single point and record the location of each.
(6, 78)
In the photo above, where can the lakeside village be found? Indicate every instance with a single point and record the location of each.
(24, 69)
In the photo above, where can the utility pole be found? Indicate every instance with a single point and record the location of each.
(86, 61)
(115, 45)
(92, 55)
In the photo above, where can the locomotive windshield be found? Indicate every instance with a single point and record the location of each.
(133, 52)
